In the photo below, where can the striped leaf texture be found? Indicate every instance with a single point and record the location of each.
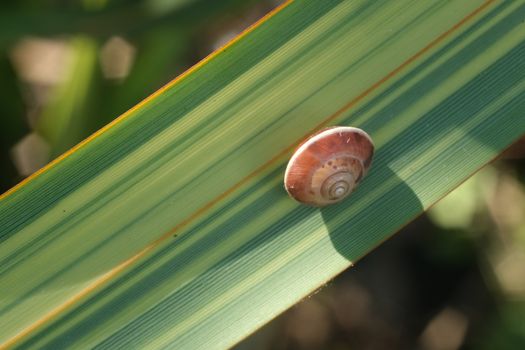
(170, 227)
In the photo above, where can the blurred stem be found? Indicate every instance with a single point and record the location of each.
(160, 52)
(63, 121)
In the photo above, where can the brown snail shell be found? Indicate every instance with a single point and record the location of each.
(327, 167)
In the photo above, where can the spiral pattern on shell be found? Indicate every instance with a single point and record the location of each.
(327, 167)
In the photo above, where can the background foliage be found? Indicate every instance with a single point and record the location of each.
(452, 278)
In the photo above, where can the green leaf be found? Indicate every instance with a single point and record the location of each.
(171, 227)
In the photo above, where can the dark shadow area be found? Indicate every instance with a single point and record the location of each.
(13, 125)
(374, 223)
(449, 115)
(389, 297)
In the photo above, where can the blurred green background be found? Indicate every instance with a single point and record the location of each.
(452, 279)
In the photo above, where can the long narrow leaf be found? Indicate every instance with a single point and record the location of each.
(171, 226)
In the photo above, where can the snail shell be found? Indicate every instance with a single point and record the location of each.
(328, 166)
